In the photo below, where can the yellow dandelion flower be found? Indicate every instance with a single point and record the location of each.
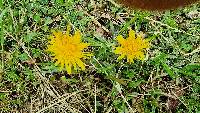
(133, 47)
(68, 50)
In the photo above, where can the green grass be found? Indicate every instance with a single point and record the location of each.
(167, 81)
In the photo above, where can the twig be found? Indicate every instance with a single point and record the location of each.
(194, 51)
(166, 25)
(115, 4)
(95, 98)
(118, 87)
(180, 100)
(5, 91)
(85, 108)
(109, 109)
(31, 109)
(38, 71)
(184, 88)
(59, 101)
(96, 22)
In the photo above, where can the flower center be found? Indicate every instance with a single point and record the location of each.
(131, 47)
(70, 49)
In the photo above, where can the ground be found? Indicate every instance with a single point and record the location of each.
(168, 80)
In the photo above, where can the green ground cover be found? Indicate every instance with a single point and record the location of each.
(168, 80)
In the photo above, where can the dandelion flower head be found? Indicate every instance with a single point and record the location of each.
(133, 47)
(68, 50)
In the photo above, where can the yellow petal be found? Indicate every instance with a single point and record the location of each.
(130, 58)
(57, 34)
(146, 44)
(83, 45)
(121, 57)
(74, 65)
(62, 63)
(118, 50)
(120, 39)
(140, 55)
(68, 29)
(51, 37)
(57, 63)
(69, 69)
(77, 36)
(131, 34)
(80, 64)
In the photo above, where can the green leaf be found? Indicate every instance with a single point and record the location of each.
(120, 81)
(130, 73)
(2, 96)
(11, 76)
(134, 84)
(191, 70)
(186, 47)
(1, 4)
(23, 57)
(48, 20)
(29, 37)
(36, 52)
(29, 74)
(36, 17)
(60, 1)
(66, 80)
(168, 70)
(160, 58)
(171, 22)
(192, 67)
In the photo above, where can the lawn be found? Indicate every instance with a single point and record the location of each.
(162, 77)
